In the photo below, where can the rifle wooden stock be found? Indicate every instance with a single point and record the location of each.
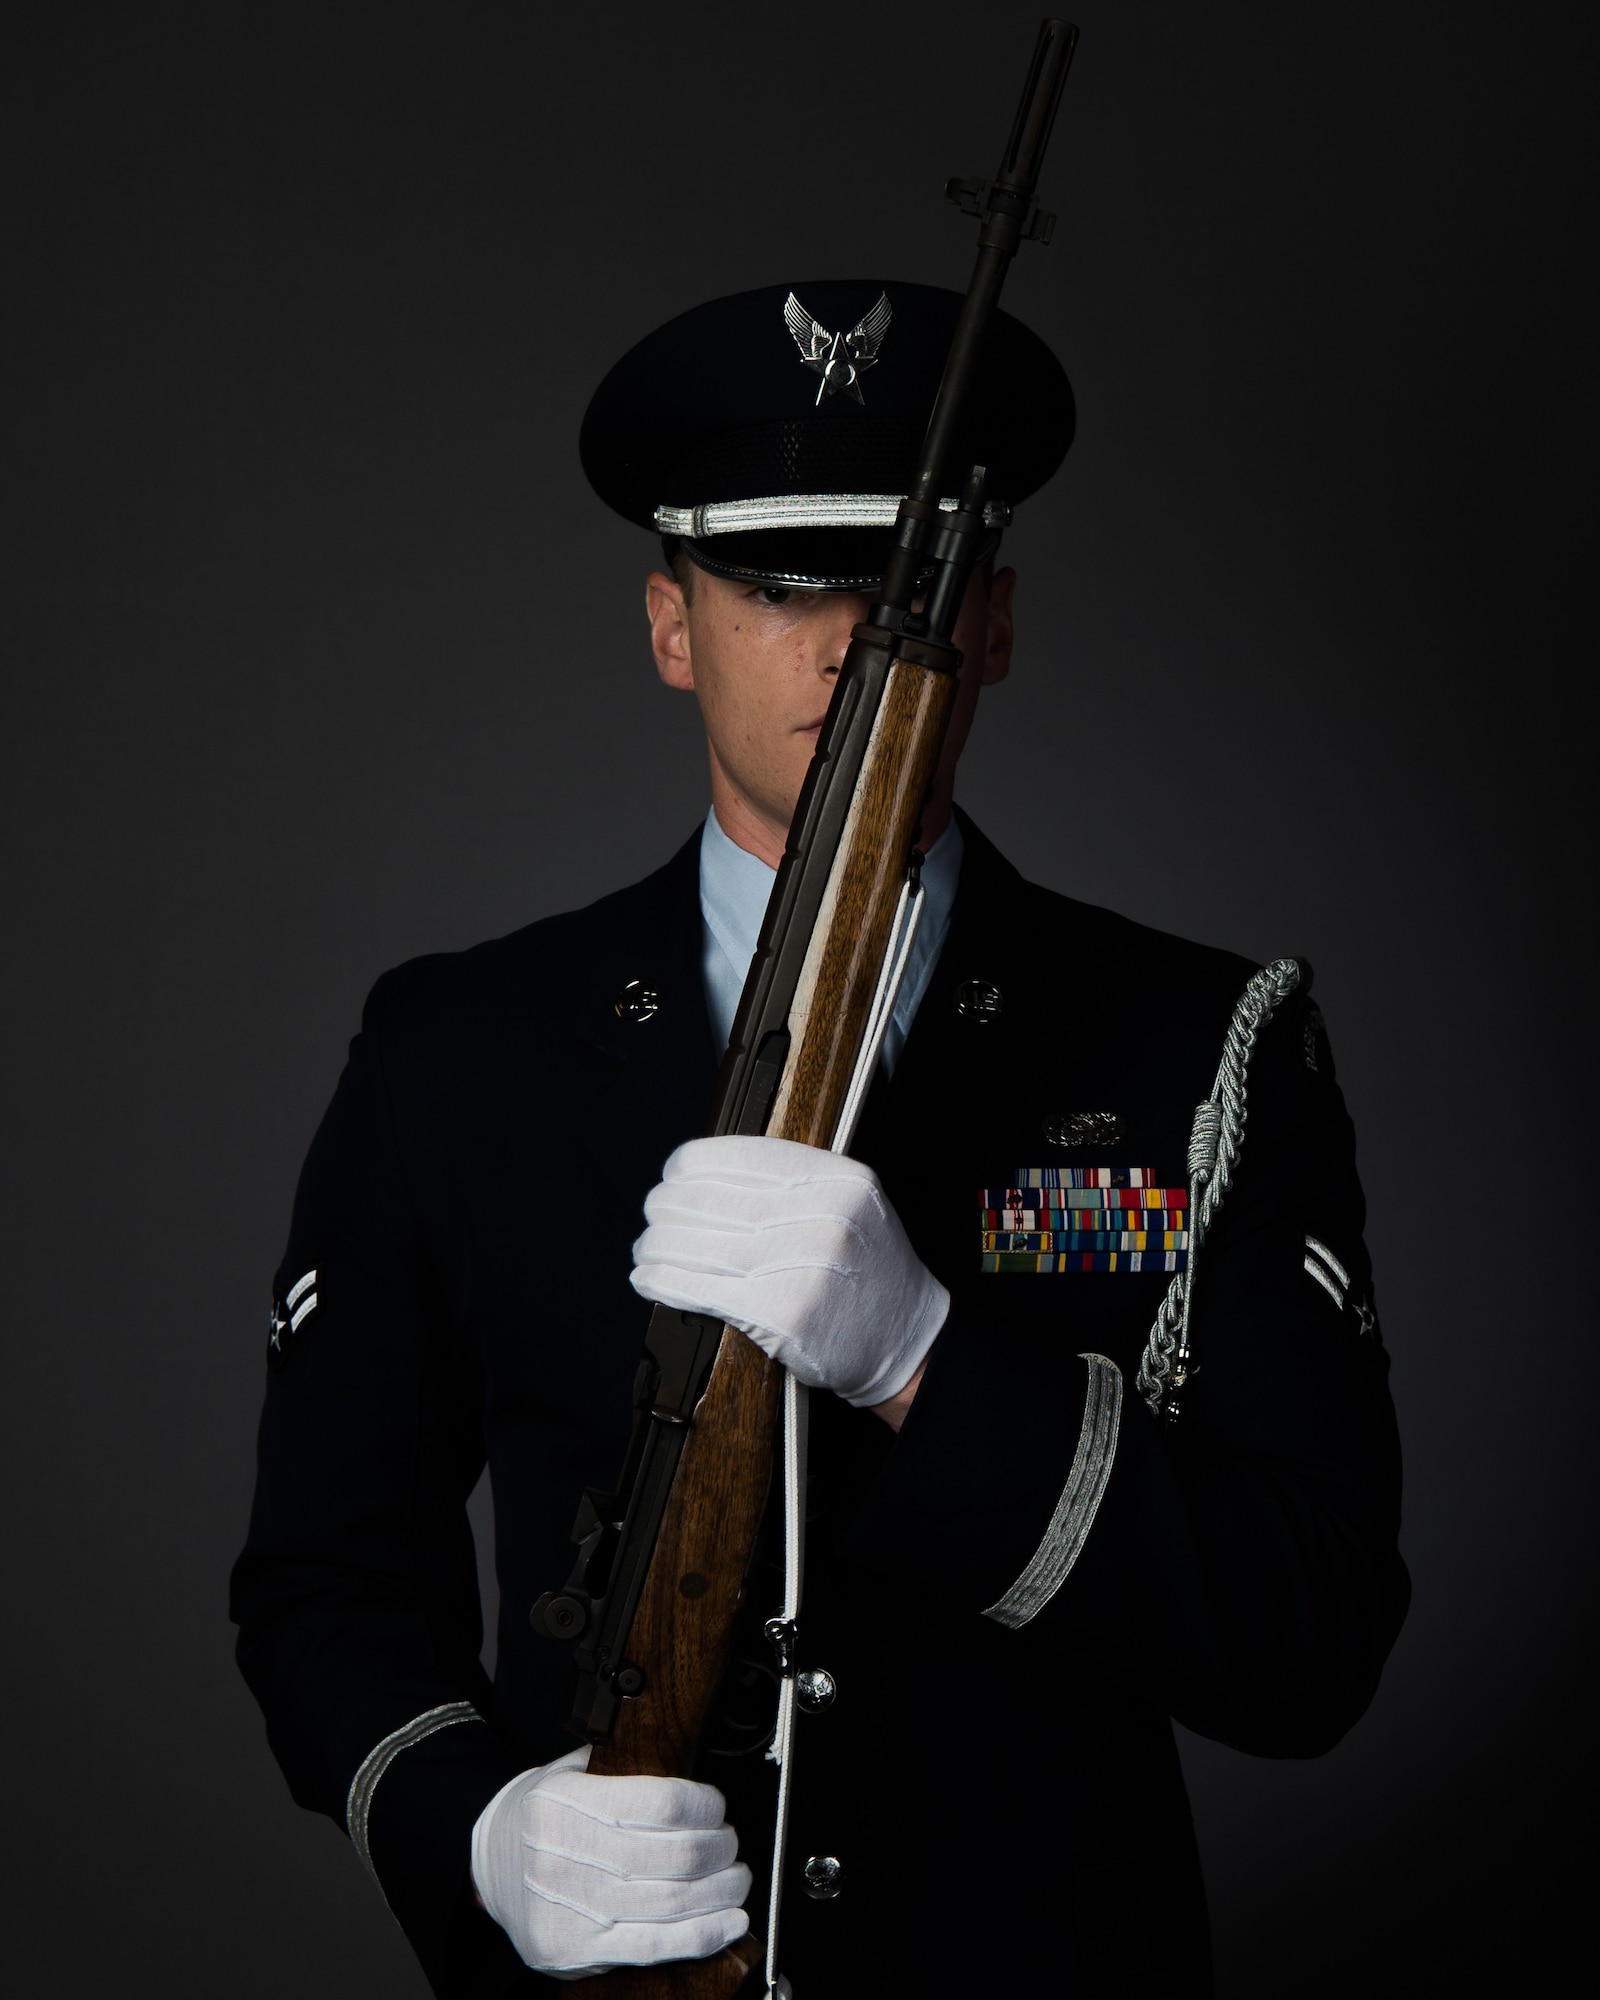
(684, 1623)
(683, 1627)
(718, 1978)
(841, 967)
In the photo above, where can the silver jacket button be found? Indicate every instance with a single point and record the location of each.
(824, 1877)
(977, 1000)
(637, 1002)
(815, 1689)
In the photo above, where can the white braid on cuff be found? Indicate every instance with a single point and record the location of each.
(1051, 1563)
(358, 1806)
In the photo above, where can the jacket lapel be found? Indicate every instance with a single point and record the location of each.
(641, 1031)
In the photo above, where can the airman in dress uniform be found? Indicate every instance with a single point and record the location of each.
(1018, 1570)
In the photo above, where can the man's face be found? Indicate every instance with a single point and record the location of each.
(762, 660)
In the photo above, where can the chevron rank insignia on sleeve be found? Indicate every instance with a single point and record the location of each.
(289, 1314)
(1321, 1264)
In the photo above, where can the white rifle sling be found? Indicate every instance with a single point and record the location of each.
(796, 1407)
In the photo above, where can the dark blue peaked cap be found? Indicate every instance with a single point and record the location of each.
(818, 408)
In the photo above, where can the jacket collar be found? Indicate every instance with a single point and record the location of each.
(647, 940)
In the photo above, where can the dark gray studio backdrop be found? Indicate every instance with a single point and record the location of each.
(323, 656)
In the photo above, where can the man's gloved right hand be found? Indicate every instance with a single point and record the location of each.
(583, 1873)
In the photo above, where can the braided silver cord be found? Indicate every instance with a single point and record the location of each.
(1214, 1143)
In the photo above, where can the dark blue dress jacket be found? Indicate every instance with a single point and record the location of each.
(1005, 1802)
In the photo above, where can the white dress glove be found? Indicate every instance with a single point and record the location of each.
(799, 1249)
(583, 1873)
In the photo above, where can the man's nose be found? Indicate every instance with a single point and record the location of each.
(851, 608)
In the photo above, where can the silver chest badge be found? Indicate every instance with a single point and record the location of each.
(839, 358)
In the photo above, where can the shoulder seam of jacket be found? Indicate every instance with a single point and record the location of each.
(1051, 1563)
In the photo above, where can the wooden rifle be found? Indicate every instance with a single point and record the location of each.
(651, 1606)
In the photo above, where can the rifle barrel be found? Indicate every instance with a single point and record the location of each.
(1007, 215)
(1041, 98)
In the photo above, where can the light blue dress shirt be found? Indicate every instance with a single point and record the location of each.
(734, 887)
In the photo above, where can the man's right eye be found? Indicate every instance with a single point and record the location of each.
(774, 593)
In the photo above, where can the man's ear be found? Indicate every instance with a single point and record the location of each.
(669, 630)
(997, 653)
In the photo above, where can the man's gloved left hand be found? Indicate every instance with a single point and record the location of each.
(799, 1249)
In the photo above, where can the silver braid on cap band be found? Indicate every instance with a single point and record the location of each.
(800, 510)
(1214, 1143)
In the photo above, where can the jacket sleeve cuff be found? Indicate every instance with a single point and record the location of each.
(1077, 1504)
(413, 1805)
(1034, 1433)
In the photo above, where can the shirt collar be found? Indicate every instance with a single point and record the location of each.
(734, 887)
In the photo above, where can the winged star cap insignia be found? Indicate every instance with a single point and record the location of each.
(839, 358)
